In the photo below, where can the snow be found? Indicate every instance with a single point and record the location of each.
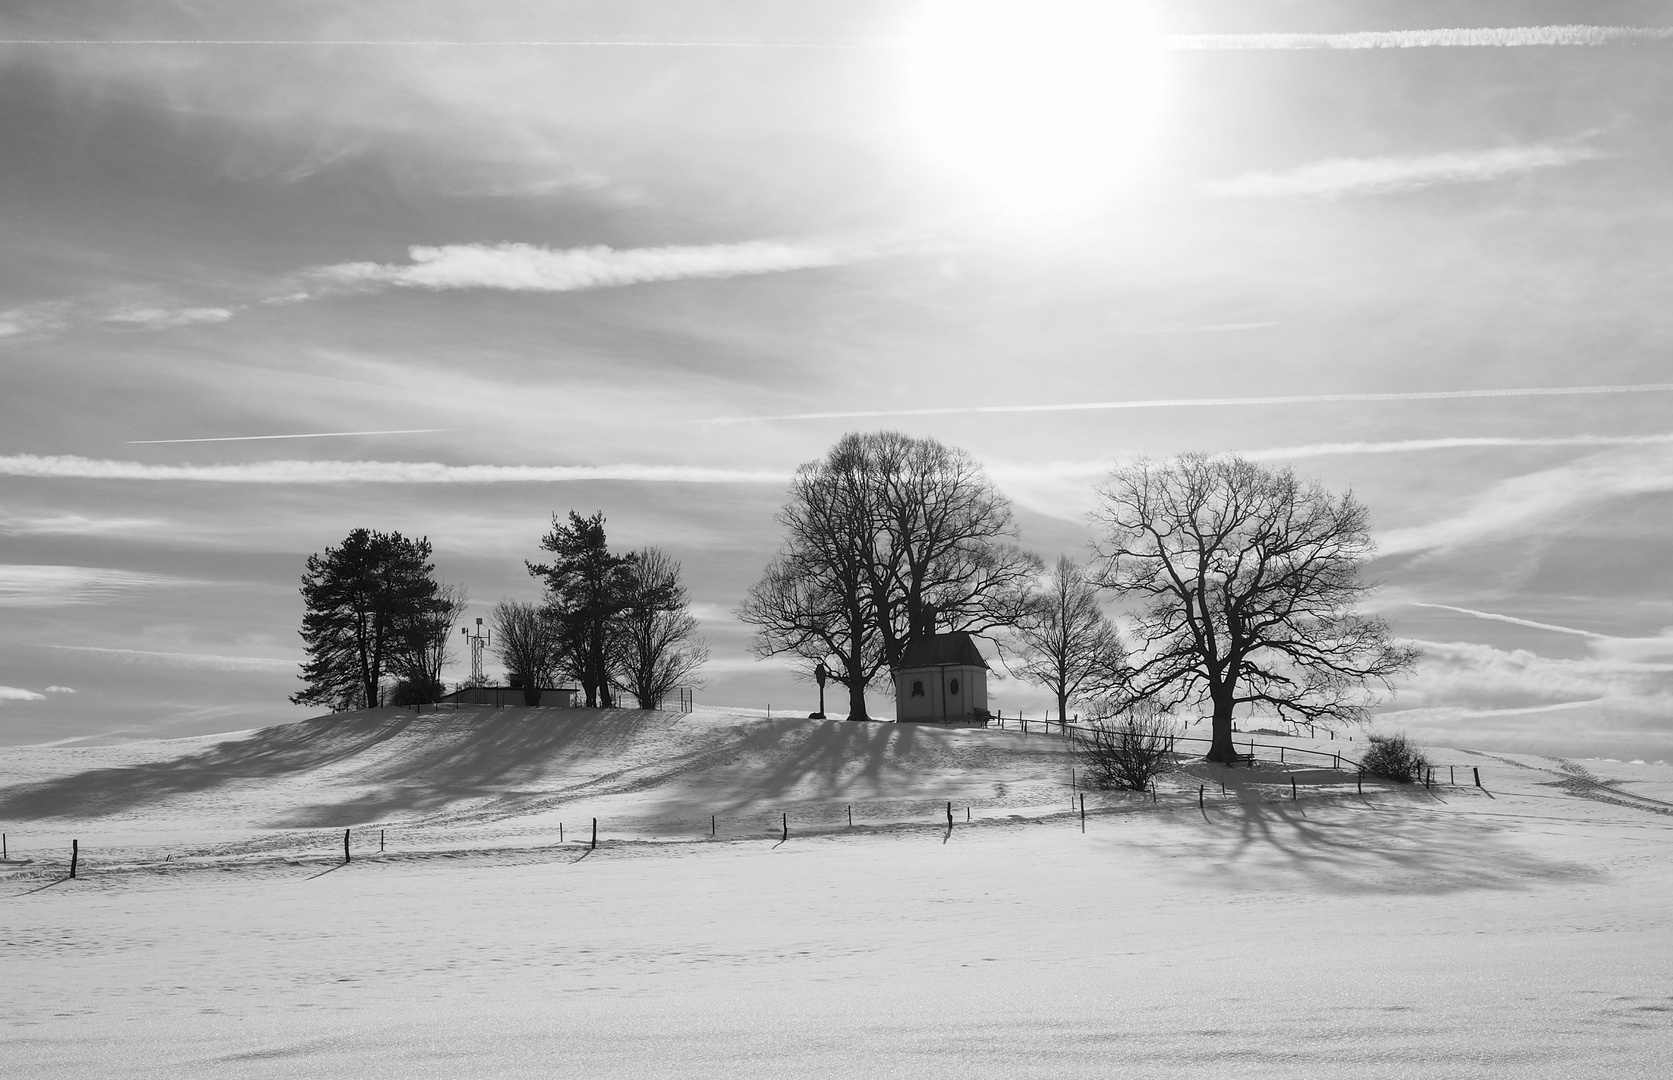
(1520, 930)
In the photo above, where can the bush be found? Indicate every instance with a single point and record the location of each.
(416, 692)
(1394, 757)
(1126, 754)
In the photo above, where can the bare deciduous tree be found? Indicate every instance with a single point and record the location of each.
(526, 638)
(813, 602)
(657, 647)
(1067, 644)
(883, 530)
(1242, 582)
(421, 650)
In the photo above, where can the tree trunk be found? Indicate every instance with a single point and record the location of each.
(1222, 749)
(1062, 707)
(857, 701)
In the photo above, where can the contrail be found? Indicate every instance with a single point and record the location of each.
(1180, 403)
(1471, 37)
(1462, 37)
(535, 44)
(309, 435)
(1513, 619)
(378, 472)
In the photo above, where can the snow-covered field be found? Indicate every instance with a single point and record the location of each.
(1520, 930)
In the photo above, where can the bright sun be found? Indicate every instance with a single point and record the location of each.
(1040, 102)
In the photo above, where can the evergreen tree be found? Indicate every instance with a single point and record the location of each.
(361, 600)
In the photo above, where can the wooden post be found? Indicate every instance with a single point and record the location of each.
(1083, 813)
(560, 832)
(711, 826)
(1292, 789)
(1477, 772)
(850, 815)
(786, 823)
(75, 855)
(1452, 775)
(967, 813)
(1280, 754)
(1200, 790)
(594, 845)
(3, 856)
(345, 845)
(949, 815)
(380, 839)
(1359, 781)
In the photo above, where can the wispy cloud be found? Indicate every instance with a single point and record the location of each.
(1522, 503)
(1467, 442)
(529, 268)
(60, 690)
(1344, 177)
(309, 435)
(43, 318)
(155, 318)
(1473, 675)
(72, 525)
(1467, 37)
(1189, 403)
(179, 659)
(377, 472)
(45, 585)
(14, 693)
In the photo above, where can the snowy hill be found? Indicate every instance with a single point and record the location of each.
(1263, 930)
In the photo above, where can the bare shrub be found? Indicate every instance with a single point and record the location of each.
(1127, 752)
(1394, 757)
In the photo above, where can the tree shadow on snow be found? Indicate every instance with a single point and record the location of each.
(1386, 845)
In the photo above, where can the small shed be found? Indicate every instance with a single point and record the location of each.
(941, 678)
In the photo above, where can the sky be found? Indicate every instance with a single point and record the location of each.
(275, 272)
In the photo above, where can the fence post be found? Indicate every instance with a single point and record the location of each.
(711, 826)
(1292, 789)
(786, 828)
(380, 839)
(949, 815)
(1200, 803)
(594, 845)
(3, 856)
(1083, 813)
(1477, 771)
(345, 845)
(1280, 753)
(560, 832)
(850, 815)
(75, 856)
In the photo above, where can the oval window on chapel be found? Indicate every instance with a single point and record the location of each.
(952, 687)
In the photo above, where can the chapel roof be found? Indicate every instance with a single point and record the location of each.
(938, 649)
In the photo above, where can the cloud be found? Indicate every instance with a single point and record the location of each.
(309, 435)
(1520, 504)
(1199, 403)
(1471, 37)
(377, 472)
(1459, 674)
(72, 525)
(189, 660)
(1344, 177)
(13, 693)
(59, 690)
(151, 318)
(45, 585)
(529, 268)
(34, 319)
(1406, 446)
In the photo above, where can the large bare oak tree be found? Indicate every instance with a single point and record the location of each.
(1241, 582)
(880, 533)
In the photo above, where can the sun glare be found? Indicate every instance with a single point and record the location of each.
(1039, 102)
